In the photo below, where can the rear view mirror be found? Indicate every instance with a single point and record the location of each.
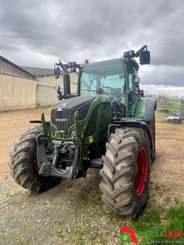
(57, 72)
(144, 57)
(142, 53)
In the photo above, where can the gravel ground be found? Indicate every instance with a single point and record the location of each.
(72, 212)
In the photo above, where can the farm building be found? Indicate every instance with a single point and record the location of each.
(26, 87)
(17, 86)
(46, 83)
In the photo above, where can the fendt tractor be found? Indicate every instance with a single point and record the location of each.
(109, 124)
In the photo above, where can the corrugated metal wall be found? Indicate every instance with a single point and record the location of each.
(18, 90)
(9, 68)
(16, 93)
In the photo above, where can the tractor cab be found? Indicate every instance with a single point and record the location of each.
(106, 77)
(116, 78)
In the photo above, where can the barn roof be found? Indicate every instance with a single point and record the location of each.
(23, 71)
(39, 72)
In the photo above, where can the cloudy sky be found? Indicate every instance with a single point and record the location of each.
(38, 33)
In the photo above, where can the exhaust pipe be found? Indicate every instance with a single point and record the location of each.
(66, 84)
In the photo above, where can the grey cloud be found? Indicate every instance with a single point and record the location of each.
(79, 29)
(163, 74)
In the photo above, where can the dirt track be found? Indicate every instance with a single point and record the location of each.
(72, 213)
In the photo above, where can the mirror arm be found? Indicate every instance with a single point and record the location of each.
(63, 67)
(141, 49)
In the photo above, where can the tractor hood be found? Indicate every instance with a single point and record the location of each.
(62, 115)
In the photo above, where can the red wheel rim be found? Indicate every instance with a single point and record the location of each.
(36, 168)
(36, 164)
(142, 171)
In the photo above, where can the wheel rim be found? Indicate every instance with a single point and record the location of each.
(35, 164)
(142, 169)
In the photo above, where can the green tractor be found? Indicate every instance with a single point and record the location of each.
(109, 124)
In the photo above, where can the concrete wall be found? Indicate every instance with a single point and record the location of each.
(46, 93)
(16, 93)
(52, 81)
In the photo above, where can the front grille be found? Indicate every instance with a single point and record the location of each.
(62, 116)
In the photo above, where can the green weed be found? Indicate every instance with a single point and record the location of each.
(43, 106)
(175, 218)
(172, 221)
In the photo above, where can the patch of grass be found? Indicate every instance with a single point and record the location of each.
(168, 103)
(60, 222)
(100, 212)
(82, 229)
(159, 220)
(43, 106)
(17, 194)
(165, 106)
(175, 218)
(113, 217)
(150, 220)
(86, 234)
(81, 242)
(59, 234)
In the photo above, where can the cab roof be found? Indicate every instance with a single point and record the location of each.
(106, 67)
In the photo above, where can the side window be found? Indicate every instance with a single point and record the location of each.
(88, 85)
(84, 81)
(130, 81)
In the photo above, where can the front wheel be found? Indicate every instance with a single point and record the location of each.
(23, 163)
(126, 172)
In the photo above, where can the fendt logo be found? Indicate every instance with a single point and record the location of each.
(60, 108)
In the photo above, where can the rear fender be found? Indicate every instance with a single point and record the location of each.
(150, 108)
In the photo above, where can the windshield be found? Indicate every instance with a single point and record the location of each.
(106, 77)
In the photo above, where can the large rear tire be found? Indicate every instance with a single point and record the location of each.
(23, 163)
(126, 172)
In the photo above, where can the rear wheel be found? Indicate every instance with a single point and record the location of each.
(126, 172)
(23, 163)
